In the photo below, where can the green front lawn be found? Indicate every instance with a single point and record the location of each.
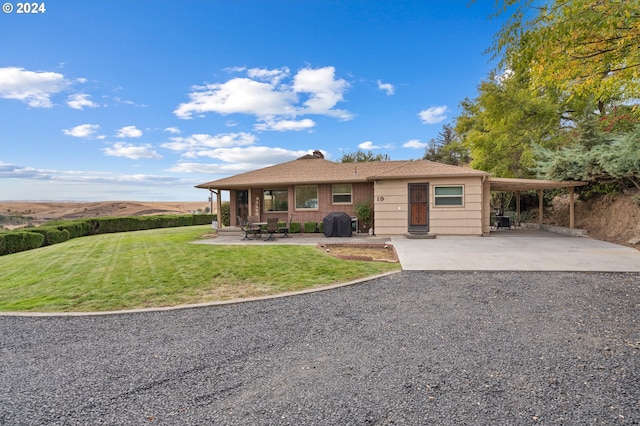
(160, 268)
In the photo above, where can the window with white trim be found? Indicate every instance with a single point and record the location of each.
(448, 196)
(341, 193)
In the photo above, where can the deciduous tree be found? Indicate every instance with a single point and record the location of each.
(362, 156)
(585, 48)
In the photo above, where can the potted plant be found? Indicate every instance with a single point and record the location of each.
(364, 213)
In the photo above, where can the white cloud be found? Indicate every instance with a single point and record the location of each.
(173, 130)
(134, 152)
(256, 156)
(79, 101)
(211, 168)
(506, 74)
(129, 132)
(239, 95)
(273, 76)
(192, 146)
(238, 160)
(324, 91)
(86, 185)
(34, 88)
(415, 143)
(433, 115)
(368, 145)
(14, 171)
(265, 96)
(285, 125)
(10, 171)
(386, 87)
(82, 131)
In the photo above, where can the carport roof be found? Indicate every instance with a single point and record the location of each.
(520, 185)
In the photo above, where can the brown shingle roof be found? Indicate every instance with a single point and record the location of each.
(520, 185)
(312, 170)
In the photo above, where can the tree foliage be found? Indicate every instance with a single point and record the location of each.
(585, 48)
(362, 156)
(447, 148)
(567, 92)
(504, 121)
(598, 156)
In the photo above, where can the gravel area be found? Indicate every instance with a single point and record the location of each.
(410, 348)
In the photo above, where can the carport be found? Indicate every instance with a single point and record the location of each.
(518, 186)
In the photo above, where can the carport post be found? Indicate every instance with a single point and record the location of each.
(572, 219)
(540, 206)
(518, 207)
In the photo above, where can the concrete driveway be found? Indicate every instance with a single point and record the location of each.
(515, 250)
(505, 250)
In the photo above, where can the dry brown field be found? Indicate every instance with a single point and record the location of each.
(45, 211)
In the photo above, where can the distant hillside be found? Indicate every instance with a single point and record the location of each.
(39, 212)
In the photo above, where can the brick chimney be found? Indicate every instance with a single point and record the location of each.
(318, 154)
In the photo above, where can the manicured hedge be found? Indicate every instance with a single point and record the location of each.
(107, 225)
(14, 242)
(53, 233)
(76, 228)
(310, 227)
(294, 228)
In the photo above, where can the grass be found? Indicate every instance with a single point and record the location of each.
(160, 268)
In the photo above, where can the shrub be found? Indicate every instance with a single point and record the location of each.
(204, 219)
(364, 213)
(225, 213)
(294, 228)
(310, 227)
(77, 228)
(14, 242)
(52, 235)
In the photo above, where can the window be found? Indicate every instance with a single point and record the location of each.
(341, 194)
(306, 197)
(448, 195)
(276, 200)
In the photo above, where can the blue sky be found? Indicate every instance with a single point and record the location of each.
(142, 100)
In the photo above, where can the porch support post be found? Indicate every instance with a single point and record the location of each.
(518, 207)
(486, 207)
(572, 221)
(540, 206)
(218, 204)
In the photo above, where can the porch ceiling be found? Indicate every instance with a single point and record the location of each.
(521, 185)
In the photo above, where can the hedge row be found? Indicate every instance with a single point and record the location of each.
(14, 242)
(308, 227)
(54, 233)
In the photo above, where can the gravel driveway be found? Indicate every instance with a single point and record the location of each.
(410, 348)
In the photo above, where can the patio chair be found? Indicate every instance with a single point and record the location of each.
(272, 228)
(284, 230)
(249, 229)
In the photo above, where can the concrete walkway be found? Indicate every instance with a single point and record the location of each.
(504, 250)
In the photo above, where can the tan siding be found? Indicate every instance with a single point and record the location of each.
(391, 205)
